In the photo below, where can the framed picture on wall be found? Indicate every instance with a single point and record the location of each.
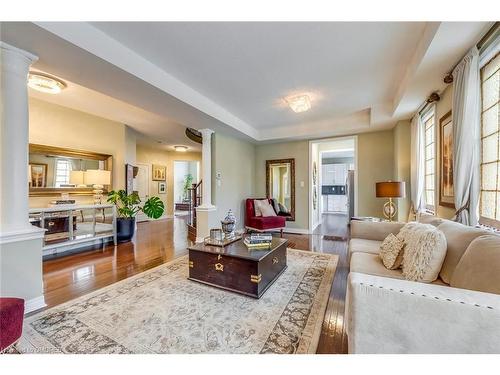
(159, 172)
(446, 195)
(37, 175)
(162, 187)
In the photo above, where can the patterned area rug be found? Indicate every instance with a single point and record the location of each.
(161, 311)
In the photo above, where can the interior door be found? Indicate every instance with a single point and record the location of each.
(143, 179)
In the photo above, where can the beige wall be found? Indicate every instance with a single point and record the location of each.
(300, 152)
(234, 159)
(442, 108)
(58, 126)
(402, 161)
(375, 164)
(149, 155)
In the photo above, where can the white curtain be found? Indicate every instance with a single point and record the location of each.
(417, 167)
(466, 138)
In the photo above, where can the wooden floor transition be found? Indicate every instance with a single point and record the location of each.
(160, 241)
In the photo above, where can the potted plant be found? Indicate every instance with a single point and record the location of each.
(128, 206)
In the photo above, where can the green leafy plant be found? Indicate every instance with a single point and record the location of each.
(128, 206)
(188, 182)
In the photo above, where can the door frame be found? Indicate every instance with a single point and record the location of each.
(140, 216)
(310, 184)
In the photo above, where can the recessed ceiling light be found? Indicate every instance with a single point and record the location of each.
(45, 83)
(299, 103)
(181, 148)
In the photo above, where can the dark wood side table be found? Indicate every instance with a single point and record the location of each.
(236, 268)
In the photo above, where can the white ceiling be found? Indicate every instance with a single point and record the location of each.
(152, 129)
(232, 77)
(249, 67)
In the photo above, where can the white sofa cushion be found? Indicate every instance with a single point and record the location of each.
(458, 238)
(424, 253)
(479, 267)
(391, 252)
(360, 245)
(371, 264)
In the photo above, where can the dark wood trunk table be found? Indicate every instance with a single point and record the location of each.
(236, 268)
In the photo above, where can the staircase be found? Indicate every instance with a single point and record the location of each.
(194, 193)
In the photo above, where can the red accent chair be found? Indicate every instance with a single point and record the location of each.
(11, 321)
(260, 223)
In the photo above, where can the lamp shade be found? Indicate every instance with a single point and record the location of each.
(390, 189)
(97, 177)
(76, 177)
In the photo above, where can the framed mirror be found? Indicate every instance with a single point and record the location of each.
(56, 170)
(280, 185)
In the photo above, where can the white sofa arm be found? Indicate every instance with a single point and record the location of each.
(387, 315)
(376, 231)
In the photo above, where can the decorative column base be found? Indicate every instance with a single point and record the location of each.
(206, 219)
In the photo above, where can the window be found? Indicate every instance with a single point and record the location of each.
(63, 169)
(430, 159)
(490, 143)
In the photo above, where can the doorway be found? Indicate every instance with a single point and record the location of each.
(333, 179)
(186, 173)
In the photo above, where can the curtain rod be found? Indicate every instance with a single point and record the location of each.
(434, 97)
(493, 30)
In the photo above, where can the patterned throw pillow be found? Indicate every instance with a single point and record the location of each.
(391, 252)
(425, 250)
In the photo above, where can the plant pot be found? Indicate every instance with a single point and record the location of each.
(125, 229)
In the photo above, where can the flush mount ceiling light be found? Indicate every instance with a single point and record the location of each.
(45, 83)
(181, 148)
(299, 103)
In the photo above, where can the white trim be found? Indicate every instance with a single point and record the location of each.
(297, 230)
(34, 304)
(33, 233)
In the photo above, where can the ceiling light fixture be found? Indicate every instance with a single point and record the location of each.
(299, 103)
(181, 148)
(45, 83)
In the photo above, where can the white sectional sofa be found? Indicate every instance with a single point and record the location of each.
(457, 313)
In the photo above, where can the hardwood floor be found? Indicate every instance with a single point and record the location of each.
(160, 241)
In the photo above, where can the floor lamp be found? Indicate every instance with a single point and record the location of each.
(391, 190)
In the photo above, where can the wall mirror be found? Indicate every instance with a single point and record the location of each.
(56, 170)
(280, 185)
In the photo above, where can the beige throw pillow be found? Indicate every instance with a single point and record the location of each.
(257, 204)
(424, 252)
(266, 209)
(391, 252)
(458, 238)
(479, 267)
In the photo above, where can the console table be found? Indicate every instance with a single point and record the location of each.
(70, 227)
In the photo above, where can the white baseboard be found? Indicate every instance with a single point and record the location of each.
(34, 304)
(297, 230)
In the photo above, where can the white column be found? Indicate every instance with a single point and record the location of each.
(14, 67)
(206, 158)
(206, 212)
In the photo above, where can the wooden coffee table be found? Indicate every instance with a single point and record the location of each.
(236, 268)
